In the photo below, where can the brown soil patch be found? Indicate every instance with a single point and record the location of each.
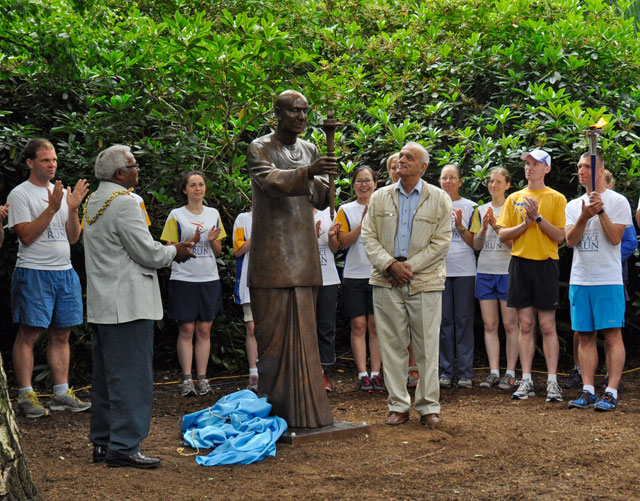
(489, 447)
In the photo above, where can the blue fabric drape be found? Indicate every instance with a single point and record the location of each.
(237, 428)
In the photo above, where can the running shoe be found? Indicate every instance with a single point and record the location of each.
(68, 402)
(607, 403)
(186, 388)
(490, 381)
(554, 393)
(573, 381)
(31, 407)
(328, 385)
(201, 387)
(507, 382)
(378, 384)
(465, 382)
(253, 383)
(583, 401)
(445, 382)
(412, 378)
(524, 391)
(366, 384)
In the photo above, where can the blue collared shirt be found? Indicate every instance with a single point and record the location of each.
(407, 205)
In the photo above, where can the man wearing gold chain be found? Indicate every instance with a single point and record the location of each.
(123, 301)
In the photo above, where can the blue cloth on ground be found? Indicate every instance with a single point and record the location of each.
(237, 427)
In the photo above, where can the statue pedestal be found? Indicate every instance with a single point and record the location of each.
(339, 430)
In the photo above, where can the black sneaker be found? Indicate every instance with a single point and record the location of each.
(573, 381)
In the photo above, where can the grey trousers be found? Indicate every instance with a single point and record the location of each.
(122, 386)
(400, 317)
(456, 330)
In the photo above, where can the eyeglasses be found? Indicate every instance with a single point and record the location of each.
(134, 166)
(364, 181)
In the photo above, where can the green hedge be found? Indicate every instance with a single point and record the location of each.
(190, 83)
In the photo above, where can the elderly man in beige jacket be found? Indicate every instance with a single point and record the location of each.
(406, 235)
(123, 301)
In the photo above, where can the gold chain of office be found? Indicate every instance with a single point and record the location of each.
(93, 219)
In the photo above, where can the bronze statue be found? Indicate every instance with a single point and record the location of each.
(288, 179)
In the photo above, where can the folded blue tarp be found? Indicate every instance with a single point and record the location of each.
(237, 427)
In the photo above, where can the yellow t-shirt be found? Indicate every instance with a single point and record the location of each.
(534, 243)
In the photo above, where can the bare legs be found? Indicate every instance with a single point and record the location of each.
(202, 346)
(491, 320)
(551, 348)
(58, 354)
(359, 326)
(251, 345)
(614, 351)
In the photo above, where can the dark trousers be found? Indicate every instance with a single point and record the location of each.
(326, 312)
(456, 328)
(122, 386)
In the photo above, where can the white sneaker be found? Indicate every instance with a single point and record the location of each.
(554, 393)
(524, 391)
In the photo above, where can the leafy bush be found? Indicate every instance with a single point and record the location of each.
(191, 83)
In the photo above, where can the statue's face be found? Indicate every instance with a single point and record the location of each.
(292, 114)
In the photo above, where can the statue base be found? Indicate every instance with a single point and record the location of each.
(339, 430)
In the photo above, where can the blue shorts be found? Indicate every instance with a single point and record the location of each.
(43, 298)
(490, 286)
(596, 307)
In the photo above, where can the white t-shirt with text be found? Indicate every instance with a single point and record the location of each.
(51, 250)
(327, 261)
(595, 260)
(461, 259)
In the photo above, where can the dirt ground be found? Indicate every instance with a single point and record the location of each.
(489, 447)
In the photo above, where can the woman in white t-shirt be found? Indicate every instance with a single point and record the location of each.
(195, 294)
(456, 327)
(356, 291)
(241, 251)
(492, 280)
(326, 301)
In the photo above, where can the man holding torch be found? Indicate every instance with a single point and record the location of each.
(596, 222)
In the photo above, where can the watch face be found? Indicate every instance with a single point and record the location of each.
(538, 219)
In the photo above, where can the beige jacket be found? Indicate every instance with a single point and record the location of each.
(430, 237)
(121, 259)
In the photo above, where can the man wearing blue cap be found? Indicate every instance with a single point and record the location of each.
(534, 219)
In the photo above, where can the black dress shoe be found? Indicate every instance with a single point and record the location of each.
(99, 453)
(137, 460)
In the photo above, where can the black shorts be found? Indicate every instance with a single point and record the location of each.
(357, 297)
(194, 301)
(533, 283)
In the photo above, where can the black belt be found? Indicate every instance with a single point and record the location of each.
(402, 259)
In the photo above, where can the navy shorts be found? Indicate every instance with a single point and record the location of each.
(357, 297)
(490, 286)
(43, 298)
(194, 301)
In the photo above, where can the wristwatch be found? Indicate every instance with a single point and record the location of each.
(538, 219)
(601, 212)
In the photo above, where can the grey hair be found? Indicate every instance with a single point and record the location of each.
(110, 160)
(425, 153)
